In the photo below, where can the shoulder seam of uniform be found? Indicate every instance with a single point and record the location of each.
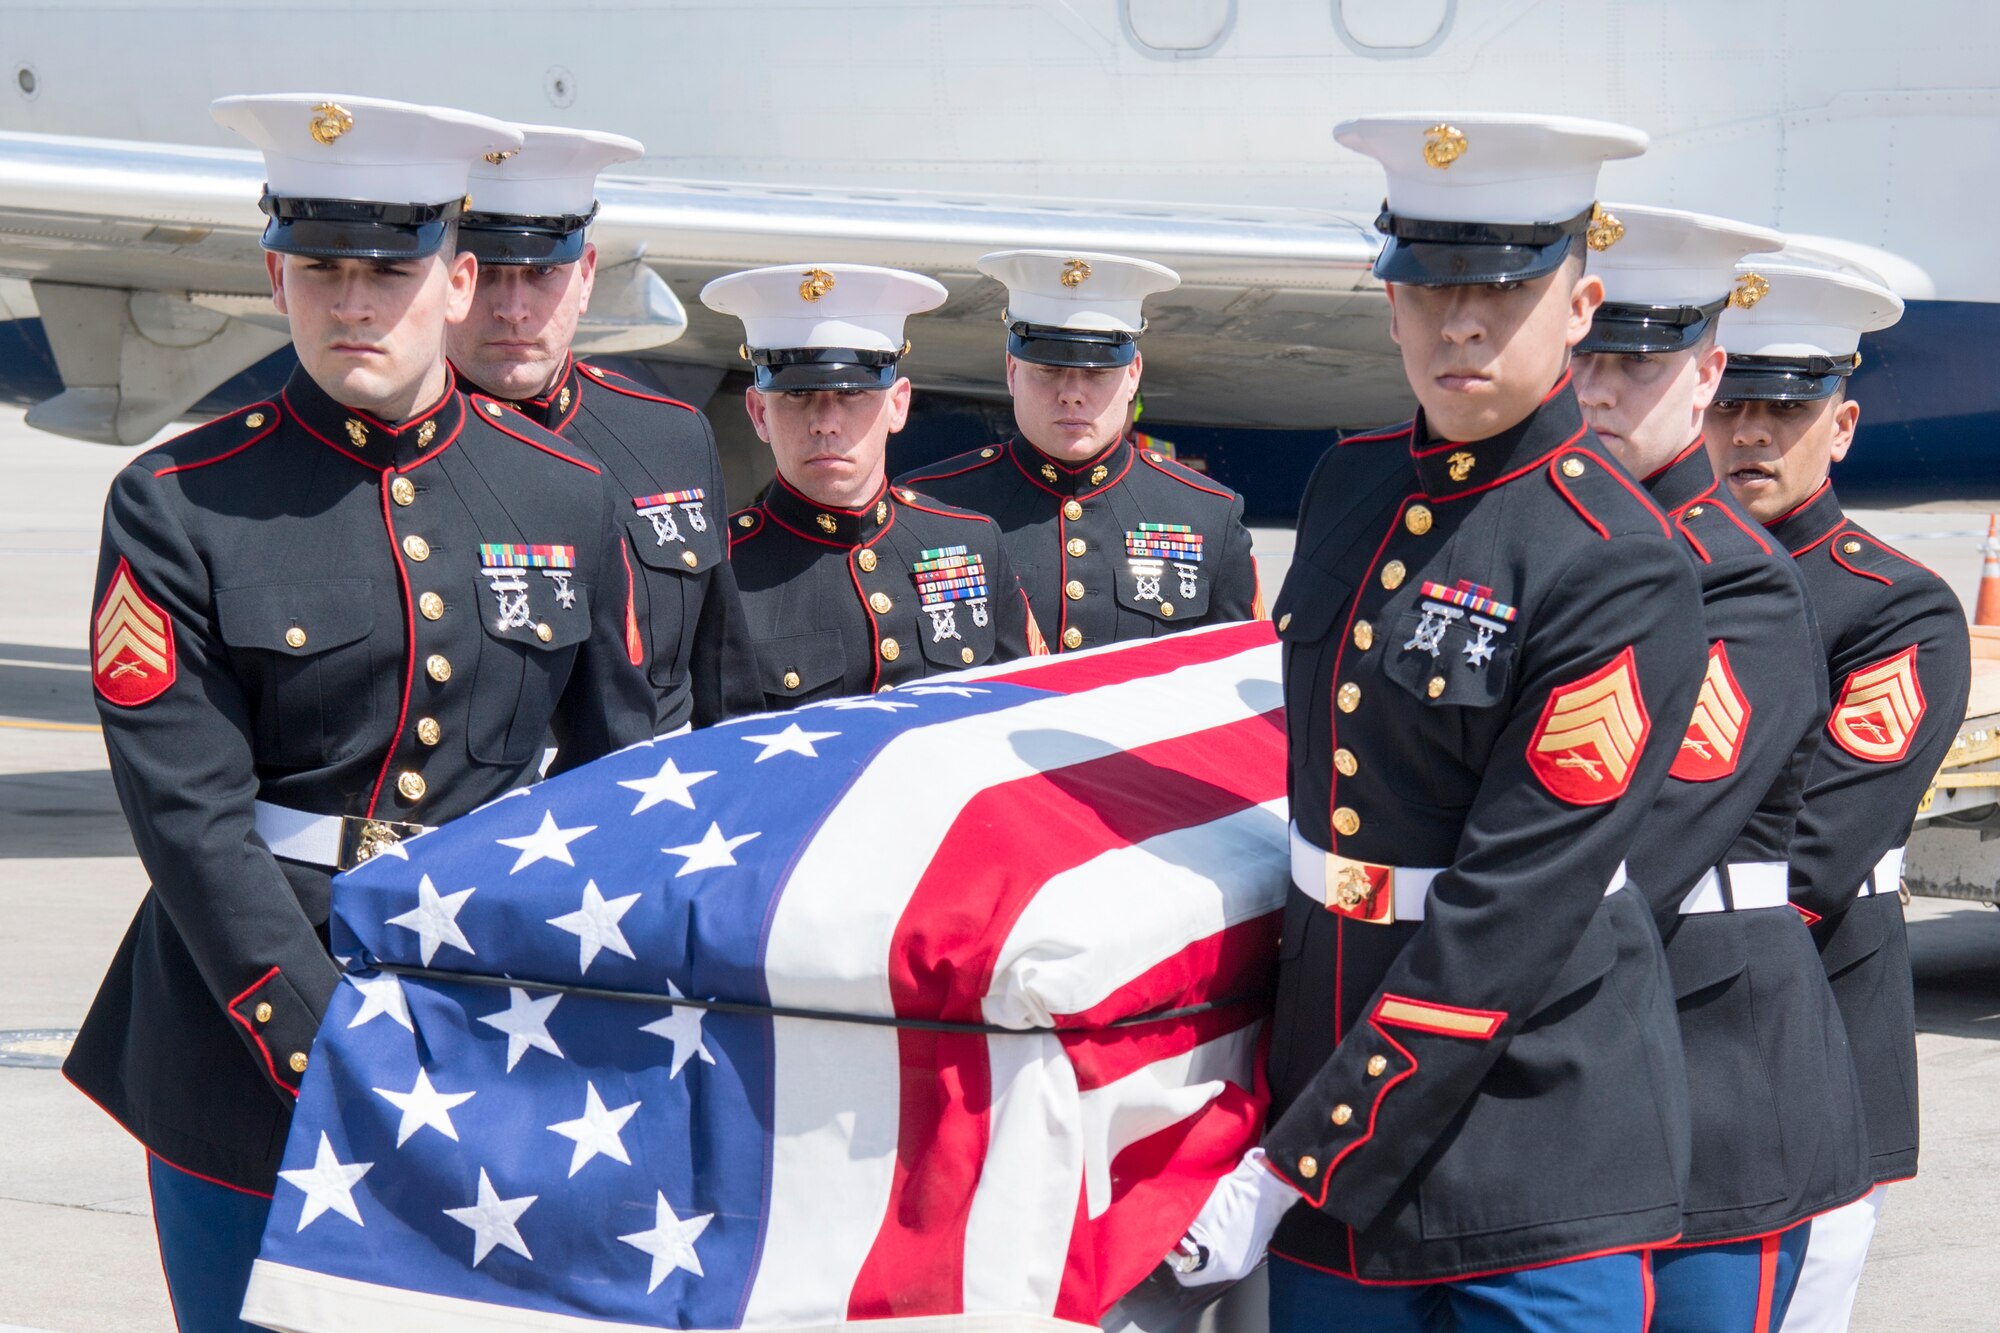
(937, 472)
(601, 375)
(904, 495)
(499, 423)
(737, 532)
(1610, 470)
(263, 433)
(1160, 463)
(1381, 434)
(1862, 534)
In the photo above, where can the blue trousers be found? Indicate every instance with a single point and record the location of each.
(1606, 1295)
(1746, 1284)
(208, 1239)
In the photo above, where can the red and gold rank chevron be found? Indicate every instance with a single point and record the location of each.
(1876, 716)
(1715, 733)
(132, 643)
(1590, 734)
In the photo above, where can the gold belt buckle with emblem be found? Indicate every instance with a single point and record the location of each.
(1361, 890)
(364, 839)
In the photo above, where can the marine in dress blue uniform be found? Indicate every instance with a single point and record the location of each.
(1491, 646)
(1777, 1129)
(317, 630)
(534, 208)
(850, 585)
(1898, 663)
(1112, 538)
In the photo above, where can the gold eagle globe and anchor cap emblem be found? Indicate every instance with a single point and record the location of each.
(1443, 145)
(1605, 230)
(330, 121)
(815, 283)
(1075, 272)
(1749, 290)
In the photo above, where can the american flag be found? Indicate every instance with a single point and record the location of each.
(506, 1108)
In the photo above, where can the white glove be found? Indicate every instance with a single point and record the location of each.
(1229, 1235)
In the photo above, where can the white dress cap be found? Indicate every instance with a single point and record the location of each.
(857, 306)
(1483, 167)
(1077, 289)
(1669, 257)
(1806, 310)
(553, 175)
(332, 146)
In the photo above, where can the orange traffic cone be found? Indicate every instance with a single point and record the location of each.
(1987, 610)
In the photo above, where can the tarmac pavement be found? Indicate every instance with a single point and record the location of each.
(76, 1241)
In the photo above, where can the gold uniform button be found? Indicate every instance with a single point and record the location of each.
(1167, 609)
(690, 559)
(295, 637)
(438, 667)
(1393, 574)
(543, 632)
(1072, 510)
(1308, 1167)
(891, 650)
(866, 560)
(1434, 686)
(1072, 637)
(254, 420)
(1073, 590)
(431, 605)
(298, 1062)
(791, 680)
(416, 548)
(880, 601)
(1342, 1114)
(1377, 1064)
(1345, 822)
(1364, 635)
(1078, 546)
(403, 492)
(493, 409)
(965, 656)
(1344, 760)
(1418, 520)
(1850, 547)
(1284, 622)
(411, 785)
(745, 521)
(1349, 697)
(987, 453)
(1572, 467)
(428, 730)
(264, 1012)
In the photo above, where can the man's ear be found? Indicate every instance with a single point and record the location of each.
(1011, 364)
(1584, 297)
(1389, 290)
(899, 405)
(586, 272)
(753, 403)
(1708, 368)
(274, 265)
(1845, 418)
(461, 277)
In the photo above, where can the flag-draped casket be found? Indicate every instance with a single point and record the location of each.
(909, 936)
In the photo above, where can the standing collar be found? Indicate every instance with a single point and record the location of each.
(795, 510)
(1686, 479)
(368, 439)
(1101, 471)
(553, 410)
(1815, 518)
(1452, 468)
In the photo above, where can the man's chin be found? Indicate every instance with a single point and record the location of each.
(359, 385)
(508, 377)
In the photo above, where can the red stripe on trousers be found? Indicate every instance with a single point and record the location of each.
(1767, 1282)
(943, 953)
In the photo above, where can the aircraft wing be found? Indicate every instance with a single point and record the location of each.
(144, 267)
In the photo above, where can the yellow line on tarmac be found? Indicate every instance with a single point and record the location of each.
(24, 724)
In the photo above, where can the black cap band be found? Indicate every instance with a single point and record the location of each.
(785, 369)
(517, 238)
(1044, 345)
(1785, 378)
(1624, 327)
(1425, 252)
(355, 228)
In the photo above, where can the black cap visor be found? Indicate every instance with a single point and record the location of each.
(1785, 378)
(1043, 345)
(355, 229)
(815, 369)
(1427, 253)
(1648, 328)
(508, 238)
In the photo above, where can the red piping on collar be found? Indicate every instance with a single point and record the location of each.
(1555, 389)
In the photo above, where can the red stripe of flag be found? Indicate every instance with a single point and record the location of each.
(1073, 675)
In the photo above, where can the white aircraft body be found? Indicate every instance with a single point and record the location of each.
(921, 134)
